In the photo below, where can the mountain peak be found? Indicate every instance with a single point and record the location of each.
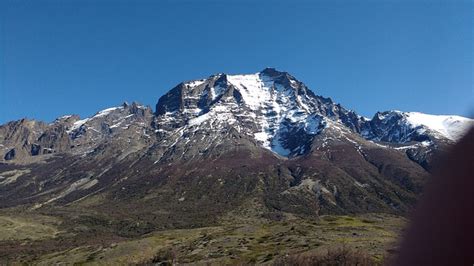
(271, 106)
(271, 72)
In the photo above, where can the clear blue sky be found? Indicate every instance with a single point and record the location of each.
(67, 56)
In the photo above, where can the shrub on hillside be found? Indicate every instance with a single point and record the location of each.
(334, 256)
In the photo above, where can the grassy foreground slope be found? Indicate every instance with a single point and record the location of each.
(254, 241)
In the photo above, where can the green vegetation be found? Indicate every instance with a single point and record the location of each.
(331, 256)
(365, 237)
(27, 228)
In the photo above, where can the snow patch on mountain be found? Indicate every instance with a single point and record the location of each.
(76, 125)
(254, 88)
(452, 127)
(278, 109)
(106, 111)
(194, 83)
(216, 91)
(113, 118)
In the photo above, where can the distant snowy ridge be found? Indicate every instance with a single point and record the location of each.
(402, 127)
(452, 127)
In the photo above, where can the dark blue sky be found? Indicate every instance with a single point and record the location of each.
(62, 57)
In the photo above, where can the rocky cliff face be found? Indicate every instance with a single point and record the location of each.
(72, 135)
(260, 144)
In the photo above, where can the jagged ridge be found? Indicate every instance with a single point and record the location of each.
(271, 107)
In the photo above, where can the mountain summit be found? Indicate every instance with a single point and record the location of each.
(258, 144)
(270, 107)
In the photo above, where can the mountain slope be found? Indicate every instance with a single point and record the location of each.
(258, 145)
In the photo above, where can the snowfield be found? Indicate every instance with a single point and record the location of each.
(452, 127)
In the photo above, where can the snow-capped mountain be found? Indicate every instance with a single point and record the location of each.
(262, 142)
(282, 115)
(271, 107)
